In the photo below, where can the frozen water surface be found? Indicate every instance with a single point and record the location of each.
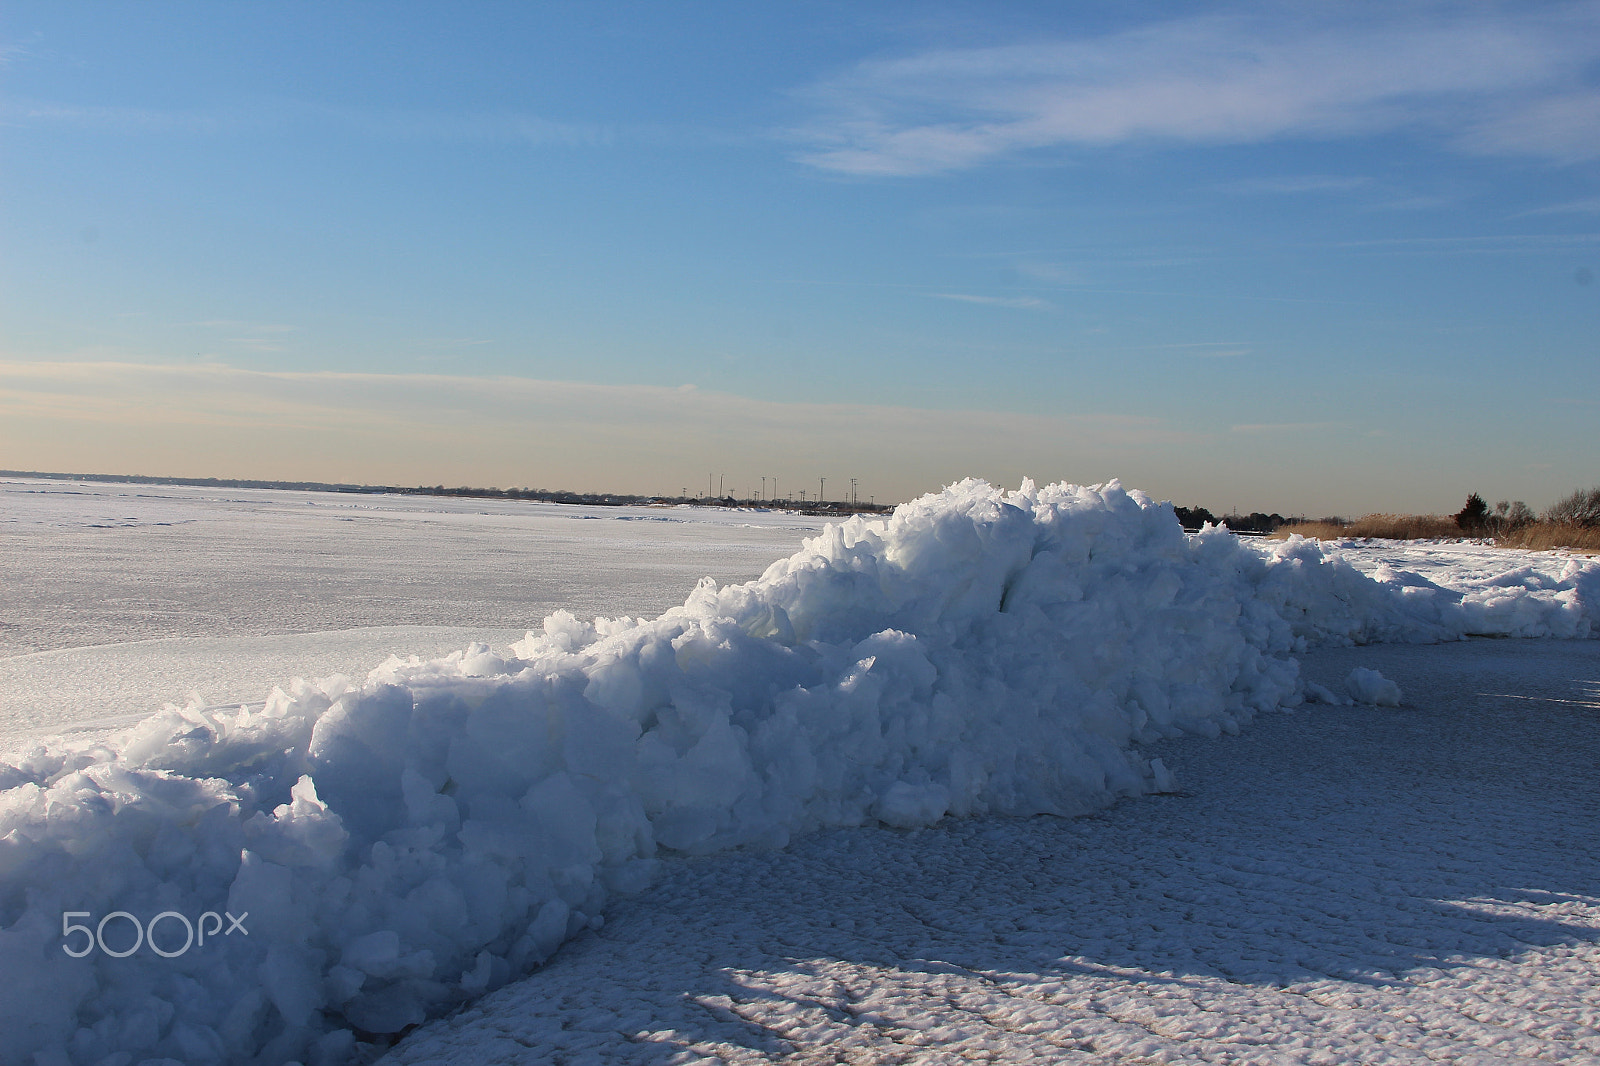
(122, 598)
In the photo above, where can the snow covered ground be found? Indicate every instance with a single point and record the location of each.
(418, 840)
(1333, 885)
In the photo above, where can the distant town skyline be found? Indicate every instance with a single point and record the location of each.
(1265, 256)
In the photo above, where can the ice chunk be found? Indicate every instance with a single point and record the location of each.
(906, 806)
(1369, 686)
(1162, 780)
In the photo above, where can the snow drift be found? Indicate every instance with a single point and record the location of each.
(410, 842)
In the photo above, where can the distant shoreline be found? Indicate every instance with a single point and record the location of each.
(593, 499)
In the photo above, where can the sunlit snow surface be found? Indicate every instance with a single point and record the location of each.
(1414, 882)
(1336, 885)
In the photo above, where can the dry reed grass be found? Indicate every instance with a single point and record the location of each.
(1544, 535)
(1384, 526)
(1314, 530)
(1538, 536)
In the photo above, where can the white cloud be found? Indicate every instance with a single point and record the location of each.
(1222, 80)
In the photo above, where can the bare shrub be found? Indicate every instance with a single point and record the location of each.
(1582, 508)
(1514, 516)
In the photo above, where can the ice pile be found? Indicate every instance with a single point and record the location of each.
(1327, 600)
(407, 843)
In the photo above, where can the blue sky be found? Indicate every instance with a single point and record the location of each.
(1298, 257)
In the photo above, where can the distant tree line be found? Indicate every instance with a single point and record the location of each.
(1254, 522)
(595, 499)
(1581, 508)
(557, 496)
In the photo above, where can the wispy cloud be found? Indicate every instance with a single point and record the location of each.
(1281, 427)
(261, 337)
(22, 112)
(277, 115)
(1488, 81)
(503, 127)
(243, 324)
(1301, 183)
(1201, 349)
(1413, 203)
(1564, 127)
(1481, 244)
(1590, 206)
(454, 342)
(1020, 303)
(1051, 273)
(256, 344)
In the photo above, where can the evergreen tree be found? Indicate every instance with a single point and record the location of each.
(1474, 515)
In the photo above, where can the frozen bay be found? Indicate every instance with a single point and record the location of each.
(121, 598)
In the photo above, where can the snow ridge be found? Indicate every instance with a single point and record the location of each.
(413, 841)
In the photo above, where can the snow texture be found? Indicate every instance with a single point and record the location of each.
(410, 842)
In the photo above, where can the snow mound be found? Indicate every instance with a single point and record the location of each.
(395, 847)
(1369, 686)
